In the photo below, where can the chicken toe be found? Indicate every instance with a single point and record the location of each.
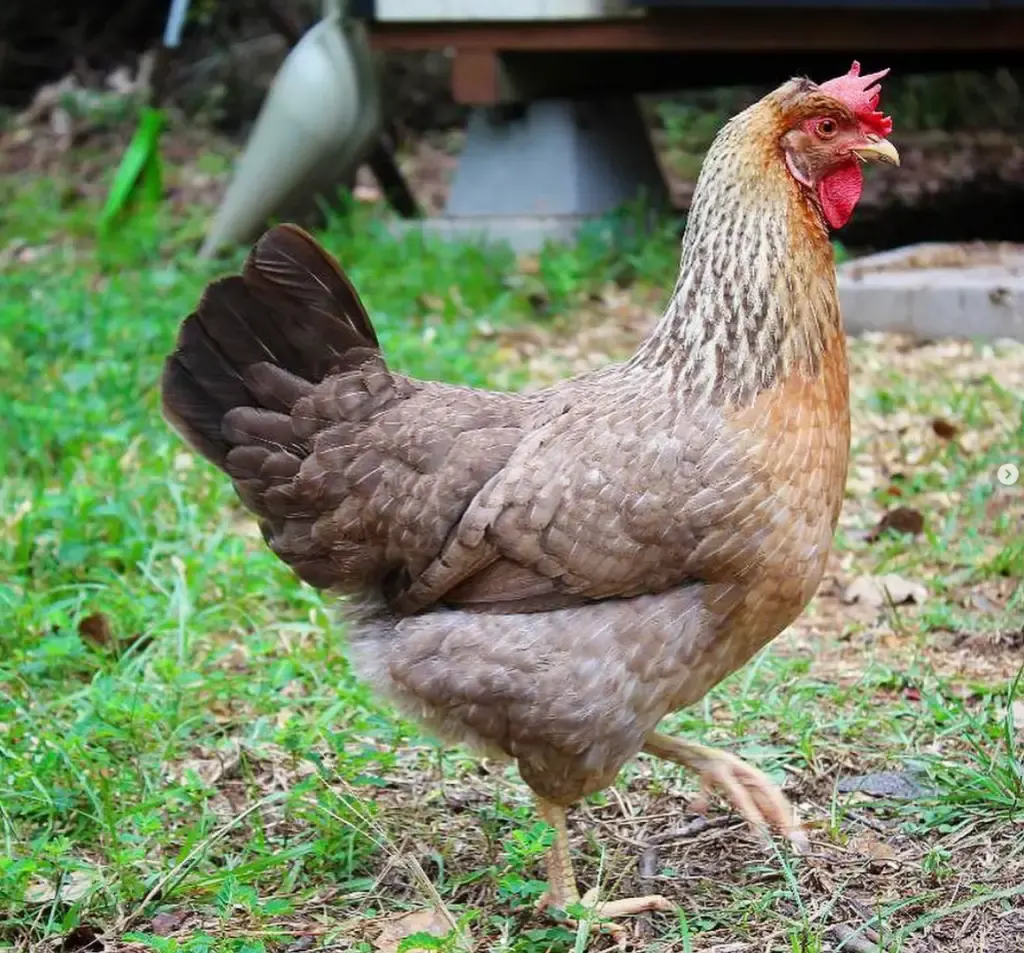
(603, 915)
(562, 891)
(626, 906)
(750, 790)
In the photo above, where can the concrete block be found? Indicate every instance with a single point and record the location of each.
(937, 290)
(540, 172)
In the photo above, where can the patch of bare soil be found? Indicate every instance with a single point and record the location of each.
(647, 837)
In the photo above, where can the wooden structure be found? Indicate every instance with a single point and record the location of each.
(506, 51)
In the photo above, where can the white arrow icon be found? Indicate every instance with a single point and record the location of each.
(1007, 474)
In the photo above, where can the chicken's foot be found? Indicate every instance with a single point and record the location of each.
(751, 791)
(562, 891)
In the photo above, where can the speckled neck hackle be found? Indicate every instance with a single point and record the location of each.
(756, 295)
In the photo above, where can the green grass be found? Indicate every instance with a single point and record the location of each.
(187, 762)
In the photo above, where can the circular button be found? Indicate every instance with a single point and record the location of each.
(1008, 474)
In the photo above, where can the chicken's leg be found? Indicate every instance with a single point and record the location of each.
(562, 891)
(751, 791)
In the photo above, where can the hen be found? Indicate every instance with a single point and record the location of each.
(546, 576)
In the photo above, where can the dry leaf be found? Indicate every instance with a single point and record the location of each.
(82, 939)
(528, 264)
(867, 845)
(40, 891)
(432, 302)
(859, 940)
(97, 629)
(222, 711)
(902, 519)
(419, 921)
(877, 591)
(164, 924)
(981, 602)
(901, 785)
(72, 887)
(209, 765)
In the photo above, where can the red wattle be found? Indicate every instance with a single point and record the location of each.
(839, 193)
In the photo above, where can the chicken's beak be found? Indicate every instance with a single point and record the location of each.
(878, 150)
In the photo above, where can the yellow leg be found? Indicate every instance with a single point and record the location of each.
(562, 891)
(751, 791)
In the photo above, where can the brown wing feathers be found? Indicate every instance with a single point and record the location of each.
(357, 475)
(258, 342)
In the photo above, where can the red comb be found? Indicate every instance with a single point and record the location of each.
(861, 94)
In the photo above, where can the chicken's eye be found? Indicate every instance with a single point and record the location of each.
(827, 128)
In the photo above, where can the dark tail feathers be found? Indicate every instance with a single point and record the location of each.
(261, 339)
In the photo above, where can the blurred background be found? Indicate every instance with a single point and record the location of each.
(71, 80)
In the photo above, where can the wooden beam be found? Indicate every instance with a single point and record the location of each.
(476, 77)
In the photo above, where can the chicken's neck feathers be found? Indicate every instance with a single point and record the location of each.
(756, 295)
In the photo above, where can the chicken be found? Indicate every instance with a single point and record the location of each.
(546, 576)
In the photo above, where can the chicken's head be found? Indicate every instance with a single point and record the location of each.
(834, 127)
